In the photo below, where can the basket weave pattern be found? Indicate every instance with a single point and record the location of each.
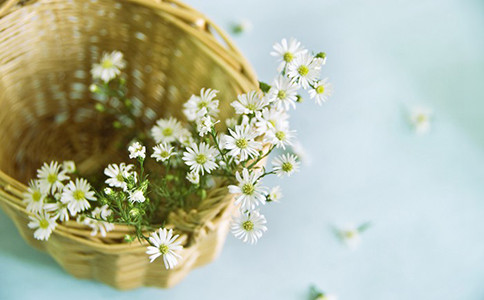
(46, 52)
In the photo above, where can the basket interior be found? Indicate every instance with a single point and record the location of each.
(46, 52)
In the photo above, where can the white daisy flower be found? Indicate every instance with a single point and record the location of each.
(279, 137)
(321, 91)
(286, 52)
(117, 175)
(69, 166)
(271, 118)
(323, 296)
(165, 244)
(205, 125)
(200, 158)
(59, 210)
(249, 226)
(199, 106)
(76, 196)
(162, 152)
(167, 130)
(136, 196)
(231, 122)
(136, 150)
(350, 235)
(275, 195)
(250, 193)
(98, 226)
(304, 70)
(109, 67)
(193, 177)
(241, 142)
(420, 119)
(34, 198)
(51, 177)
(283, 93)
(249, 103)
(43, 224)
(285, 164)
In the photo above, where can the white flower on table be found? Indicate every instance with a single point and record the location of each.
(77, 196)
(304, 70)
(250, 192)
(200, 158)
(285, 164)
(198, 106)
(44, 224)
(286, 52)
(51, 177)
(167, 130)
(420, 119)
(283, 93)
(117, 175)
(110, 66)
(34, 198)
(241, 142)
(321, 91)
(165, 244)
(136, 150)
(249, 226)
(350, 234)
(249, 103)
(162, 152)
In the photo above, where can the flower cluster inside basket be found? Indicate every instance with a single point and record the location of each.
(185, 160)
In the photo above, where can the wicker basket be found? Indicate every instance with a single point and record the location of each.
(46, 50)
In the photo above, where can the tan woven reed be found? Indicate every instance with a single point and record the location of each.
(47, 48)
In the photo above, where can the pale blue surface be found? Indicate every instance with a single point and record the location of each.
(424, 195)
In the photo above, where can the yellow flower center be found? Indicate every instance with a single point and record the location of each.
(163, 249)
(421, 118)
(120, 177)
(287, 167)
(251, 106)
(281, 94)
(201, 159)
(43, 223)
(241, 143)
(202, 104)
(248, 225)
(248, 189)
(281, 135)
(107, 63)
(349, 234)
(320, 89)
(167, 131)
(164, 154)
(52, 178)
(303, 70)
(78, 195)
(288, 57)
(36, 196)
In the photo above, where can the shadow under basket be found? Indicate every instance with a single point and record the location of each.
(47, 113)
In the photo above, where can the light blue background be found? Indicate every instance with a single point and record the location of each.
(424, 195)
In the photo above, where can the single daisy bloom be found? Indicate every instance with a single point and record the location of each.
(162, 152)
(136, 150)
(323, 296)
(275, 194)
(249, 103)
(205, 125)
(285, 164)
(200, 158)
(110, 66)
(136, 196)
(250, 193)
(241, 142)
(59, 210)
(166, 130)
(199, 106)
(304, 70)
(321, 91)
(420, 118)
(34, 198)
(193, 177)
(271, 118)
(51, 177)
(283, 93)
(249, 226)
(69, 166)
(350, 236)
(279, 137)
(165, 244)
(98, 226)
(286, 52)
(44, 224)
(117, 175)
(76, 196)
